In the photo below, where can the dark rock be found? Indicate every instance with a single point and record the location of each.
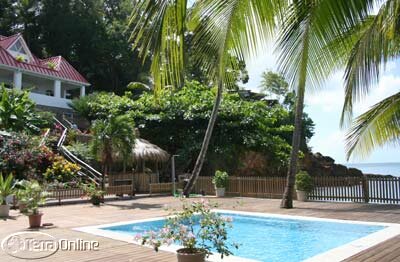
(355, 172)
(339, 170)
(320, 165)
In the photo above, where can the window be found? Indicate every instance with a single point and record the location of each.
(18, 47)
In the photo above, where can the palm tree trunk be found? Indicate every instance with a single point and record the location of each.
(287, 200)
(204, 147)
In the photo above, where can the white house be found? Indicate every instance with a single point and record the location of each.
(53, 82)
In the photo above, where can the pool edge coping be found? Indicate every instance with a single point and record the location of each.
(333, 255)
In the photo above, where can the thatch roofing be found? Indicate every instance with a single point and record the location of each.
(146, 151)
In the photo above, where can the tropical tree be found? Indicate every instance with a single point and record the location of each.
(373, 42)
(274, 84)
(224, 32)
(112, 136)
(305, 59)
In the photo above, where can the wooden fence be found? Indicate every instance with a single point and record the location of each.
(269, 187)
(61, 194)
(140, 181)
(385, 190)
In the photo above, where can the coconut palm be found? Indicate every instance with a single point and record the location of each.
(374, 42)
(111, 136)
(224, 31)
(305, 58)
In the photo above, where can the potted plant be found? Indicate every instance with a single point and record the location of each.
(220, 181)
(33, 196)
(20, 194)
(6, 189)
(93, 193)
(196, 241)
(304, 185)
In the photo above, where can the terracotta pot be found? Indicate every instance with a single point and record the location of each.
(220, 192)
(302, 195)
(35, 220)
(184, 255)
(4, 210)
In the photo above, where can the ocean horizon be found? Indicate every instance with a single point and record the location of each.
(377, 168)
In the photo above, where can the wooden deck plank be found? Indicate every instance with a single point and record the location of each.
(67, 217)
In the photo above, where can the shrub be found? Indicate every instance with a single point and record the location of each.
(93, 193)
(304, 182)
(220, 179)
(21, 156)
(62, 171)
(33, 195)
(81, 150)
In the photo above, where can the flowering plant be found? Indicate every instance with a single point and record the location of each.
(196, 228)
(62, 170)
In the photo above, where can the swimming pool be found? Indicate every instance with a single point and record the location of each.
(267, 237)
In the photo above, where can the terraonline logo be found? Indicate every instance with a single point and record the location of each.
(35, 245)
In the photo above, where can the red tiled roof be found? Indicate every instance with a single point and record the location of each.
(62, 70)
(5, 41)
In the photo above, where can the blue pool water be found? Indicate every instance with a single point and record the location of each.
(276, 239)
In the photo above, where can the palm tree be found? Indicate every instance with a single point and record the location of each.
(224, 31)
(112, 136)
(373, 42)
(305, 58)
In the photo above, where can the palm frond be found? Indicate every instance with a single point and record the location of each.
(158, 32)
(323, 21)
(376, 127)
(376, 45)
(226, 31)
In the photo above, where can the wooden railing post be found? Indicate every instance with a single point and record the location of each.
(365, 188)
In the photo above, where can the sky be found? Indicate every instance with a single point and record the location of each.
(324, 107)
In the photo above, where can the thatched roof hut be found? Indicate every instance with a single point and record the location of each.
(148, 152)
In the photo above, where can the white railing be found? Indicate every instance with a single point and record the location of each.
(50, 101)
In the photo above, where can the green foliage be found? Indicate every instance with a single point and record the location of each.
(101, 105)
(113, 136)
(81, 150)
(51, 65)
(33, 195)
(274, 83)
(304, 182)
(21, 155)
(220, 179)
(176, 121)
(93, 193)
(7, 187)
(17, 111)
(180, 227)
(91, 34)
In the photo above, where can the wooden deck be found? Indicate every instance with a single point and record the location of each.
(67, 217)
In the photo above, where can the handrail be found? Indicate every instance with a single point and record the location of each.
(59, 122)
(62, 138)
(44, 137)
(68, 122)
(75, 159)
(91, 173)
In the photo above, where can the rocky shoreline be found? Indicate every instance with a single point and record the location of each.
(317, 164)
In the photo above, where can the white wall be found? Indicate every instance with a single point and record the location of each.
(50, 100)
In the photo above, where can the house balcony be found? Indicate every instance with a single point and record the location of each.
(46, 92)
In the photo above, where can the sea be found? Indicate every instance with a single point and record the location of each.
(377, 168)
